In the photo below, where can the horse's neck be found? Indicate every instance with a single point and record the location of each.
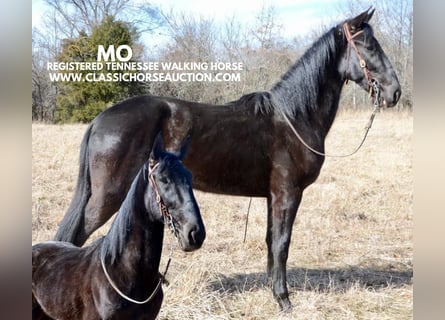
(135, 239)
(310, 90)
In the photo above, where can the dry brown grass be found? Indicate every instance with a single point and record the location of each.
(352, 248)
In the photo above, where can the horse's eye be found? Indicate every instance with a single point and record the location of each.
(164, 180)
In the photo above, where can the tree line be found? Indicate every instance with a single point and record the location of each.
(74, 29)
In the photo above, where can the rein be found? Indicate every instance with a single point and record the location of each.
(373, 87)
(168, 220)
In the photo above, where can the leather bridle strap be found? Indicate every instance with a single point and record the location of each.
(168, 219)
(362, 62)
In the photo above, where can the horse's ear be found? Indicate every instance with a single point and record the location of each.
(184, 147)
(157, 149)
(357, 22)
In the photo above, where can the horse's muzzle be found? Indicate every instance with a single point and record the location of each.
(192, 237)
(391, 95)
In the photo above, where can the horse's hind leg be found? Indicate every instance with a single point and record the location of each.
(107, 193)
(100, 207)
(111, 174)
(118, 144)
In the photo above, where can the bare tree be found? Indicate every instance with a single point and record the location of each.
(84, 15)
(43, 91)
(396, 28)
(192, 40)
(261, 50)
(269, 55)
(267, 30)
(233, 39)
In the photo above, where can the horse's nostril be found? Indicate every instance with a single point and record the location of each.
(196, 236)
(397, 95)
(192, 237)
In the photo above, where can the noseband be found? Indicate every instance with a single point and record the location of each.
(373, 84)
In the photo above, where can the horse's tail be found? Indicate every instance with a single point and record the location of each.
(74, 217)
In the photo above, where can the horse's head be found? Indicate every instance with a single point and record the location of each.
(365, 62)
(172, 184)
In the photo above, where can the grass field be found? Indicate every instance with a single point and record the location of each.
(351, 255)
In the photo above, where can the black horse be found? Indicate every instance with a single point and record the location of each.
(117, 277)
(244, 147)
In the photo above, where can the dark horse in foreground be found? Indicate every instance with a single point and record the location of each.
(244, 147)
(69, 282)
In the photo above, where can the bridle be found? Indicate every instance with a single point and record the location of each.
(372, 82)
(373, 85)
(168, 220)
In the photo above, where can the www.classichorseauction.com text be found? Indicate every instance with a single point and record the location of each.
(107, 69)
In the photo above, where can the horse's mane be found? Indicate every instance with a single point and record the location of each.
(259, 101)
(298, 90)
(114, 241)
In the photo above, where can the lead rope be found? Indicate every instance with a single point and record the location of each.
(367, 128)
(247, 220)
(155, 291)
(113, 285)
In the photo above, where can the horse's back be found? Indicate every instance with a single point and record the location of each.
(58, 268)
(45, 250)
(48, 258)
(226, 140)
(131, 110)
(126, 126)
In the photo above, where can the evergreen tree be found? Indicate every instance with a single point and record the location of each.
(81, 101)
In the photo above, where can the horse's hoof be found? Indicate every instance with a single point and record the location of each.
(285, 305)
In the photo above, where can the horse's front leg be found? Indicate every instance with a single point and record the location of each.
(282, 209)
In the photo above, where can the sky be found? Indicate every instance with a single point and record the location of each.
(297, 17)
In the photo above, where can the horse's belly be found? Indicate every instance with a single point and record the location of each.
(236, 179)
